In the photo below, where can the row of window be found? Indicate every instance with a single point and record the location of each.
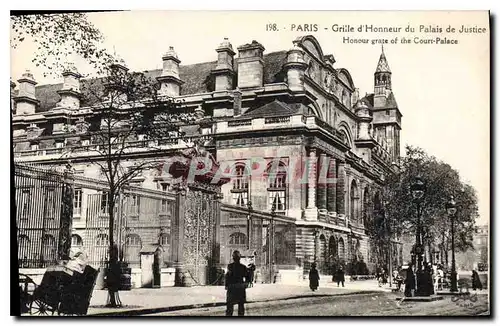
(51, 203)
(276, 182)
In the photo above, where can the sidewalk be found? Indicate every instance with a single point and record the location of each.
(147, 301)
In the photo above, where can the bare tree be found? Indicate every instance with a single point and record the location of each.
(127, 118)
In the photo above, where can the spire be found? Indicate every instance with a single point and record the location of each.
(382, 66)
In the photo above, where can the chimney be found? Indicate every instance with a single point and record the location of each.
(115, 81)
(250, 65)
(25, 100)
(170, 82)
(224, 71)
(295, 67)
(236, 102)
(70, 92)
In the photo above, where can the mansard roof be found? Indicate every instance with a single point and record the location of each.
(196, 78)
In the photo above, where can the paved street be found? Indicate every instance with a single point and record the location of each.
(379, 304)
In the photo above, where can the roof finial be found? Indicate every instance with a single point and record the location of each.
(382, 48)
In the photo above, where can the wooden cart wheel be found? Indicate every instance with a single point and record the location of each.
(40, 308)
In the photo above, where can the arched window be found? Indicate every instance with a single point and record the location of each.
(237, 238)
(277, 187)
(48, 249)
(132, 249)
(76, 240)
(341, 248)
(354, 201)
(241, 181)
(366, 208)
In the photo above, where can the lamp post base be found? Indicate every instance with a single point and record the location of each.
(453, 279)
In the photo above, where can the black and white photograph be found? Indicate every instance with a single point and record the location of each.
(250, 163)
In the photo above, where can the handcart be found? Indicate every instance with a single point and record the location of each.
(64, 291)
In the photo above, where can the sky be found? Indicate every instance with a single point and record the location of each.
(442, 89)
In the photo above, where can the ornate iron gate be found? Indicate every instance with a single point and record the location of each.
(44, 210)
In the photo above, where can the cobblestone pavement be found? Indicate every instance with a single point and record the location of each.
(368, 304)
(184, 297)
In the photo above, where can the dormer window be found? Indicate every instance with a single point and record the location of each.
(85, 142)
(35, 147)
(59, 144)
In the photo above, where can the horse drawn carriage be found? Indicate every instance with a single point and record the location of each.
(62, 290)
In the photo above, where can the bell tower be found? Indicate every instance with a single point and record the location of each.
(386, 114)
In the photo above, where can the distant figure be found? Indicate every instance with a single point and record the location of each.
(237, 277)
(397, 279)
(476, 282)
(313, 277)
(251, 273)
(410, 282)
(340, 277)
(427, 287)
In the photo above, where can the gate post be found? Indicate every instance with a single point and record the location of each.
(178, 236)
(66, 220)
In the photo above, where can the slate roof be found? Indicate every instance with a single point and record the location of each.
(196, 78)
(274, 108)
(383, 65)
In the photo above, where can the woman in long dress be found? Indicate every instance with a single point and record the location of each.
(313, 278)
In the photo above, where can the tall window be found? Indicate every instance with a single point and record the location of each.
(77, 202)
(237, 238)
(102, 240)
(50, 203)
(135, 202)
(354, 201)
(49, 248)
(277, 190)
(132, 249)
(104, 202)
(241, 178)
(23, 242)
(25, 203)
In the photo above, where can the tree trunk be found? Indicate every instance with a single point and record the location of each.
(113, 268)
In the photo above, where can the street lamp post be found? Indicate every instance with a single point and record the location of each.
(417, 192)
(388, 236)
(452, 210)
(249, 222)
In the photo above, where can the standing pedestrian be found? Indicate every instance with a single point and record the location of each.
(251, 273)
(410, 282)
(313, 277)
(476, 281)
(340, 277)
(237, 277)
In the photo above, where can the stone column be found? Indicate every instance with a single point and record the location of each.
(331, 204)
(66, 221)
(311, 212)
(321, 185)
(341, 179)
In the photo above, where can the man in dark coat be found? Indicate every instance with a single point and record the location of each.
(476, 281)
(237, 277)
(340, 277)
(313, 277)
(409, 282)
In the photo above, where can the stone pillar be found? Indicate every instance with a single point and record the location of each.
(331, 188)
(311, 212)
(66, 217)
(321, 185)
(178, 237)
(341, 180)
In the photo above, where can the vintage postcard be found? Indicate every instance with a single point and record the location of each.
(256, 163)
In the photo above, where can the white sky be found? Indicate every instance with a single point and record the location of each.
(442, 90)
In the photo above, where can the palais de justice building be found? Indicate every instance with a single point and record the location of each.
(294, 104)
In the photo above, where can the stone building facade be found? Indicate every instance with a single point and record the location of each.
(289, 126)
